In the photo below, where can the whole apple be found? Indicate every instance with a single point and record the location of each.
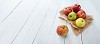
(62, 30)
(72, 16)
(80, 22)
(67, 10)
(81, 14)
(76, 7)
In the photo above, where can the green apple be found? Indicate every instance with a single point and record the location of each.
(80, 22)
(72, 16)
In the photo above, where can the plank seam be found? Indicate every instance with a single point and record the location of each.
(55, 18)
(40, 26)
(23, 25)
(11, 12)
(81, 38)
(21, 29)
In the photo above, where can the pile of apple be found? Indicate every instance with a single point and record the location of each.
(75, 13)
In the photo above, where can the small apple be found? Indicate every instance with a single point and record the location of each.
(81, 14)
(62, 30)
(80, 22)
(67, 10)
(76, 7)
(72, 16)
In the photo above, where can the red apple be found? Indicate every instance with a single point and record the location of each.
(67, 10)
(81, 14)
(76, 7)
(62, 30)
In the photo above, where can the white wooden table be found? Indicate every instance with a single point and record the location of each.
(35, 22)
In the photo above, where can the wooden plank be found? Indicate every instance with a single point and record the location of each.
(53, 38)
(96, 4)
(10, 28)
(44, 36)
(7, 7)
(91, 34)
(31, 28)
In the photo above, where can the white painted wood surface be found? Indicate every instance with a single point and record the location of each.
(35, 22)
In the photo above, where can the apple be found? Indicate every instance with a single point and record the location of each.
(81, 14)
(67, 10)
(72, 16)
(76, 7)
(80, 22)
(62, 30)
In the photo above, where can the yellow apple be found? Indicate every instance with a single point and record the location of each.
(80, 22)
